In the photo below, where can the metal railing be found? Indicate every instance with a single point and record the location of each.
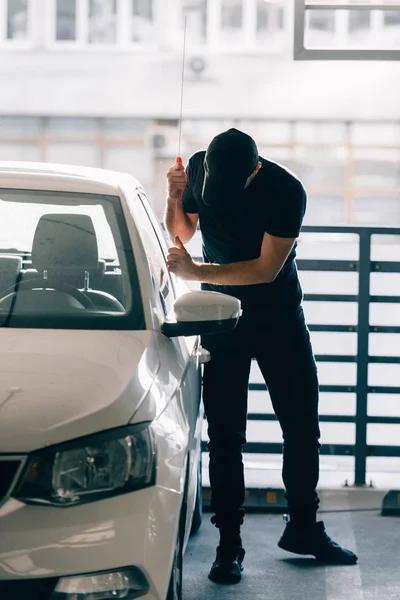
(364, 266)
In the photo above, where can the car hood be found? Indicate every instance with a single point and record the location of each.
(59, 385)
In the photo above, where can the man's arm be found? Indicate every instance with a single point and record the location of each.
(264, 269)
(177, 221)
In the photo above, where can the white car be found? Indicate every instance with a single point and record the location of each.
(100, 419)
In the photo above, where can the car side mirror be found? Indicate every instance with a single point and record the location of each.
(203, 313)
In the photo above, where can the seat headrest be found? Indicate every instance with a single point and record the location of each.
(10, 268)
(65, 242)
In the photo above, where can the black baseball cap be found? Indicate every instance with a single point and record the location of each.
(231, 158)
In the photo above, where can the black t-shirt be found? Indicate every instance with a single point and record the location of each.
(273, 203)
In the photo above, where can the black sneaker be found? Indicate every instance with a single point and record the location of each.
(317, 543)
(227, 567)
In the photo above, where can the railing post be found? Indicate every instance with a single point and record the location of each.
(362, 358)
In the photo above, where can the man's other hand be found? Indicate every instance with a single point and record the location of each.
(181, 263)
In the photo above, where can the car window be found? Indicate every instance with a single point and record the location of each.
(161, 238)
(66, 261)
(155, 256)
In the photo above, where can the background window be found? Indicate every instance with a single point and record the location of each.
(143, 8)
(321, 20)
(376, 211)
(75, 153)
(320, 28)
(392, 18)
(17, 19)
(142, 21)
(359, 20)
(325, 210)
(196, 14)
(20, 151)
(102, 21)
(66, 20)
(377, 167)
(270, 22)
(319, 167)
(231, 21)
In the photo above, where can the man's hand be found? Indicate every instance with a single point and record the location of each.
(264, 269)
(176, 181)
(181, 263)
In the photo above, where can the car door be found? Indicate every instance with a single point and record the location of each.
(188, 349)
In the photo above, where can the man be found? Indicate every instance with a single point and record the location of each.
(250, 212)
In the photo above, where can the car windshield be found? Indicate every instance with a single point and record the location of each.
(66, 262)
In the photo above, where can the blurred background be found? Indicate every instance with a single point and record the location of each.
(97, 83)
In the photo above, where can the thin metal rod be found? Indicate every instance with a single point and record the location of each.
(182, 85)
(178, 158)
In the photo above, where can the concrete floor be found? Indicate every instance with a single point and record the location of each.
(352, 518)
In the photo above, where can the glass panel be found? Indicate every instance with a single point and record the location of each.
(64, 235)
(321, 20)
(320, 133)
(196, 14)
(278, 154)
(320, 28)
(267, 133)
(328, 282)
(359, 22)
(387, 375)
(370, 134)
(385, 247)
(385, 283)
(69, 153)
(377, 168)
(329, 246)
(323, 169)
(17, 19)
(102, 21)
(325, 210)
(376, 211)
(392, 18)
(16, 127)
(384, 344)
(72, 127)
(262, 17)
(270, 20)
(199, 133)
(20, 151)
(142, 26)
(359, 29)
(126, 128)
(331, 313)
(334, 343)
(384, 405)
(143, 8)
(384, 314)
(129, 158)
(156, 188)
(66, 20)
(156, 259)
(355, 2)
(231, 21)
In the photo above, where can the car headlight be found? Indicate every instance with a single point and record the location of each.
(91, 468)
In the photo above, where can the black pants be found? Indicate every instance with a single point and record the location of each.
(283, 351)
